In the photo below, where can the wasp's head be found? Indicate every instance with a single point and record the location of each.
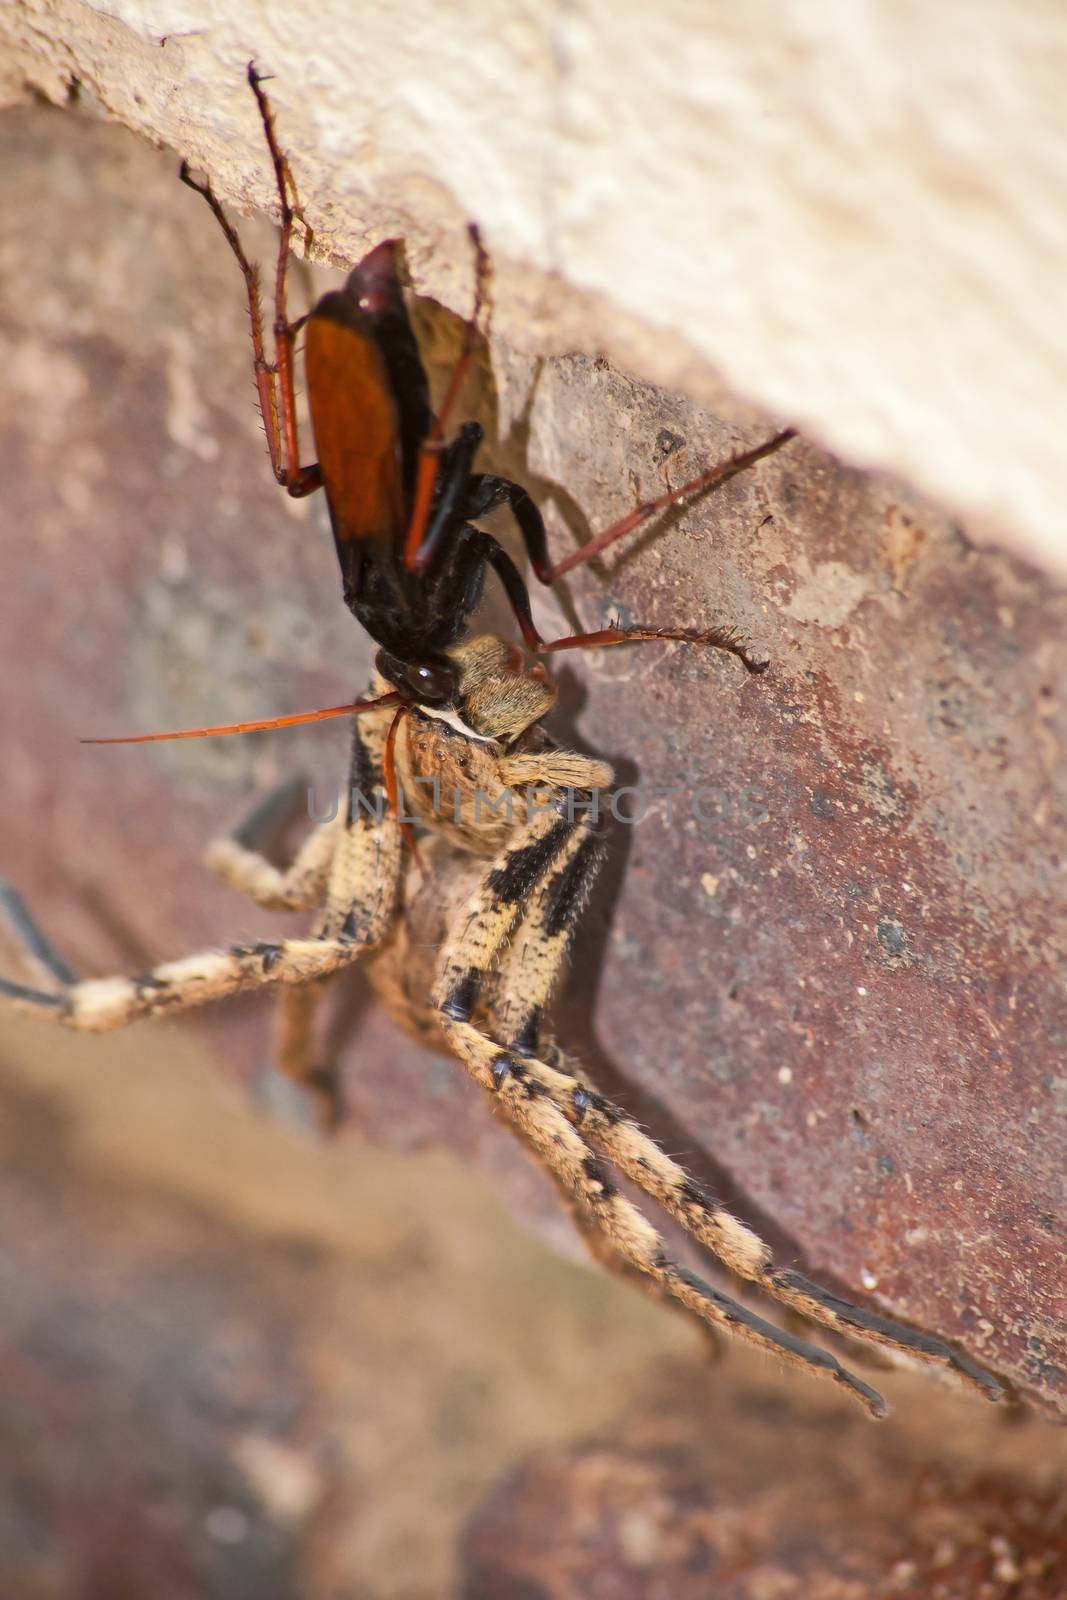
(430, 680)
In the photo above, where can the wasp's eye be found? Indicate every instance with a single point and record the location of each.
(429, 682)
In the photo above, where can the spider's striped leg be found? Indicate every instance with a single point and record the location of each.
(360, 892)
(640, 1159)
(556, 845)
(531, 963)
(238, 861)
(600, 1246)
(540, 883)
(296, 1052)
(532, 949)
(527, 971)
(96, 1005)
(524, 974)
(521, 1099)
(630, 1150)
(350, 866)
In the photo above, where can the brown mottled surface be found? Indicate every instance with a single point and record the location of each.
(670, 1505)
(236, 1362)
(835, 988)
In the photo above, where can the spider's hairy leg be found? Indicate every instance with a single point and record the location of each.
(357, 895)
(365, 864)
(527, 972)
(540, 883)
(523, 924)
(507, 951)
(635, 1155)
(526, 976)
(360, 891)
(531, 963)
(238, 861)
(554, 831)
(296, 1055)
(523, 1102)
(96, 1005)
(602, 1249)
(528, 969)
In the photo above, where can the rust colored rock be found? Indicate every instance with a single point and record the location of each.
(631, 1527)
(826, 963)
(781, 1497)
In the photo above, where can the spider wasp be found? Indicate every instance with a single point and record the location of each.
(509, 864)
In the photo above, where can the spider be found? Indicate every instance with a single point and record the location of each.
(511, 845)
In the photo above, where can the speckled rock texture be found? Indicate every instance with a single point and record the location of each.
(840, 1512)
(853, 213)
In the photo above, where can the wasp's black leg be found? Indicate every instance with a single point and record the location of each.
(485, 547)
(487, 491)
(452, 492)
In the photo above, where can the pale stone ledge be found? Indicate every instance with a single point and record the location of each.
(854, 214)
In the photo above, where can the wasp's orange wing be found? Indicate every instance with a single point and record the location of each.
(355, 421)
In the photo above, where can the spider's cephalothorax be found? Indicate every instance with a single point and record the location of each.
(510, 847)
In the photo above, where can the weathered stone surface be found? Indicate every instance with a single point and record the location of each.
(235, 1362)
(776, 1499)
(854, 214)
(831, 979)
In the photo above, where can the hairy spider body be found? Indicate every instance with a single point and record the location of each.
(513, 843)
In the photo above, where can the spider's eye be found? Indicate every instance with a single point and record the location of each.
(432, 683)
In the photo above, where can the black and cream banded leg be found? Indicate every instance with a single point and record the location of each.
(501, 962)
(349, 868)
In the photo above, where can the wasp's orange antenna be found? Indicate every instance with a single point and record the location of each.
(351, 708)
(393, 796)
(707, 480)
